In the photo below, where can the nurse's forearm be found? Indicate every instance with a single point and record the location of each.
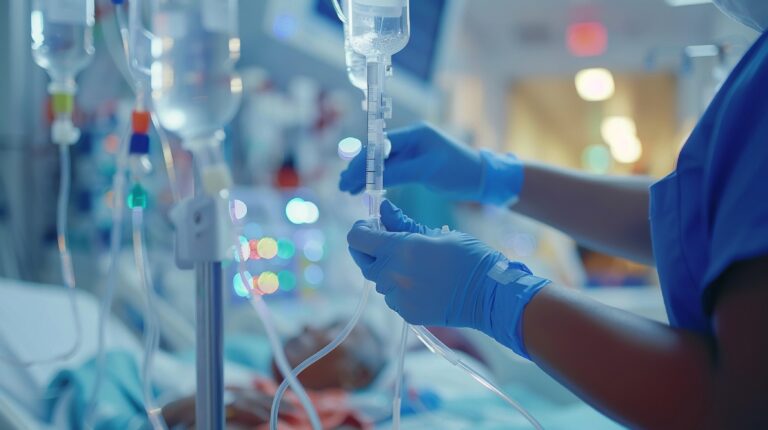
(608, 214)
(642, 373)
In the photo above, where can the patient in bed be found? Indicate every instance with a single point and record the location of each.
(57, 394)
(352, 366)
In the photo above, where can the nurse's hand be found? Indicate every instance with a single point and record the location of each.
(429, 278)
(423, 155)
(448, 279)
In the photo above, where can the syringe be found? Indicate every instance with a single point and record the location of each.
(375, 149)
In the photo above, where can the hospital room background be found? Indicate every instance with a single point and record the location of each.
(607, 86)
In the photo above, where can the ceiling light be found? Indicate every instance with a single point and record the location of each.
(627, 150)
(616, 128)
(595, 85)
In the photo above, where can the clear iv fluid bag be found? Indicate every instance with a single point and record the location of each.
(194, 50)
(378, 27)
(62, 36)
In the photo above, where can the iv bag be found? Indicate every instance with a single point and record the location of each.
(195, 46)
(62, 37)
(378, 28)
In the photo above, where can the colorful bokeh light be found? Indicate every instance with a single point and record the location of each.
(595, 85)
(242, 252)
(267, 248)
(287, 280)
(587, 39)
(240, 287)
(285, 249)
(253, 244)
(596, 158)
(313, 250)
(627, 150)
(314, 275)
(238, 209)
(299, 211)
(268, 283)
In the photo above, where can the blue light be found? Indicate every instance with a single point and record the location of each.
(314, 275)
(244, 251)
(284, 26)
(240, 288)
(298, 211)
(314, 251)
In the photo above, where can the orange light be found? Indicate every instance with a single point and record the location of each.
(111, 144)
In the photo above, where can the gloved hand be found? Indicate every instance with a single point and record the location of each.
(421, 154)
(444, 279)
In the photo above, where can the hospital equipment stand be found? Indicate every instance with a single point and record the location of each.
(201, 230)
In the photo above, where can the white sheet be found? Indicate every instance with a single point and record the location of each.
(36, 322)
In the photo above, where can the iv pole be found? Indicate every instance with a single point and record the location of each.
(202, 230)
(209, 400)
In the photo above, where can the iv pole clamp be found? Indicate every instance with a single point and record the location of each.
(203, 233)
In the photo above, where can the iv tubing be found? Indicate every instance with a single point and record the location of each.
(118, 188)
(168, 160)
(339, 11)
(122, 25)
(67, 271)
(170, 166)
(151, 328)
(398, 400)
(438, 347)
(285, 368)
(341, 337)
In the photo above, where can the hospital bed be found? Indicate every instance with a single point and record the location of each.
(35, 321)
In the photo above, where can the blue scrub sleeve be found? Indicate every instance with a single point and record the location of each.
(737, 183)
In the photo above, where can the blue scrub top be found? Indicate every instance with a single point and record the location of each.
(712, 211)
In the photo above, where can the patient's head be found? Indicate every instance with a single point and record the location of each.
(353, 365)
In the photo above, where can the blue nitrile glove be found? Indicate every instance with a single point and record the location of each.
(423, 155)
(444, 279)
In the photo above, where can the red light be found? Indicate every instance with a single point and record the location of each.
(587, 39)
(253, 244)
